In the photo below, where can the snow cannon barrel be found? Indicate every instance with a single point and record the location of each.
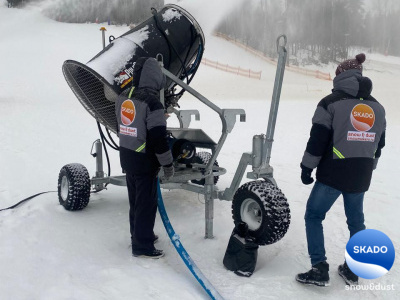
(171, 32)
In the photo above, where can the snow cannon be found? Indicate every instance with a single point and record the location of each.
(173, 36)
(171, 32)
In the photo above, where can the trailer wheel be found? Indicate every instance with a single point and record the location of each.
(74, 187)
(203, 158)
(264, 208)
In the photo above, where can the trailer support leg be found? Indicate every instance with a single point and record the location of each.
(98, 154)
(209, 207)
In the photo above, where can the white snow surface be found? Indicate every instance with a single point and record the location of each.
(48, 253)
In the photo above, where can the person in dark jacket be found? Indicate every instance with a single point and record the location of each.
(143, 149)
(345, 143)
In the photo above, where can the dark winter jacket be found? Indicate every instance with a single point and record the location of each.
(141, 122)
(347, 135)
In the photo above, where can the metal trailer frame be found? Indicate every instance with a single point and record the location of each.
(259, 158)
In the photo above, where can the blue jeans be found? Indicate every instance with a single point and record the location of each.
(320, 201)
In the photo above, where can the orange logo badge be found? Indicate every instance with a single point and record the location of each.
(128, 112)
(362, 117)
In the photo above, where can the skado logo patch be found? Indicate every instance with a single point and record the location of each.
(362, 117)
(370, 254)
(128, 112)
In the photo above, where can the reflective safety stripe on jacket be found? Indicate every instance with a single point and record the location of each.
(142, 128)
(337, 152)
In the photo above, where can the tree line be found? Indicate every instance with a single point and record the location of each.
(323, 30)
(15, 3)
(82, 11)
(112, 11)
(317, 30)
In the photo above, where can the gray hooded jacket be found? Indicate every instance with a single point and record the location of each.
(141, 121)
(347, 135)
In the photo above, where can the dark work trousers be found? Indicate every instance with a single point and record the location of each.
(142, 192)
(319, 203)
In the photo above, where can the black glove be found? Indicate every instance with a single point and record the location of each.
(306, 175)
(168, 171)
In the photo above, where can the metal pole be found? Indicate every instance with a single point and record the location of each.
(209, 210)
(98, 146)
(273, 112)
(160, 60)
(103, 31)
(99, 158)
(193, 92)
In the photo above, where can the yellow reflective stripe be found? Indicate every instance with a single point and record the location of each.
(141, 148)
(130, 93)
(337, 152)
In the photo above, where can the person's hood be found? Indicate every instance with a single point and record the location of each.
(353, 83)
(365, 88)
(348, 82)
(147, 74)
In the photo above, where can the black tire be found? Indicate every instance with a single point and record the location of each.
(264, 208)
(203, 158)
(74, 187)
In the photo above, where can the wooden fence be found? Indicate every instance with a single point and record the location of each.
(314, 73)
(230, 69)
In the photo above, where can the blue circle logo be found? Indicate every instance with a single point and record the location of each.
(370, 254)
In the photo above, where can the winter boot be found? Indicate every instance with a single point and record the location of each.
(318, 275)
(349, 277)
(148, 253)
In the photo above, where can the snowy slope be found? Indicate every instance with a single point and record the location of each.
(49, 253)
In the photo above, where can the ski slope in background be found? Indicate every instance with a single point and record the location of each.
(48, 253)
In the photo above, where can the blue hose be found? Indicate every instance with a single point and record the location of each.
(207, 286)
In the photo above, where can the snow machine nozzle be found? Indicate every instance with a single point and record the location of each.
(171, 32)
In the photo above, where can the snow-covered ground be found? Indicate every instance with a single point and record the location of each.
(49, 253)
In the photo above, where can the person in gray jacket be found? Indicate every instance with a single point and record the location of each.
(143, 149)
(345, 143)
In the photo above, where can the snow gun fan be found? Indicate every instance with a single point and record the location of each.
(171, 32)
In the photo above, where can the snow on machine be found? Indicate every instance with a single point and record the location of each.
(175, 38)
